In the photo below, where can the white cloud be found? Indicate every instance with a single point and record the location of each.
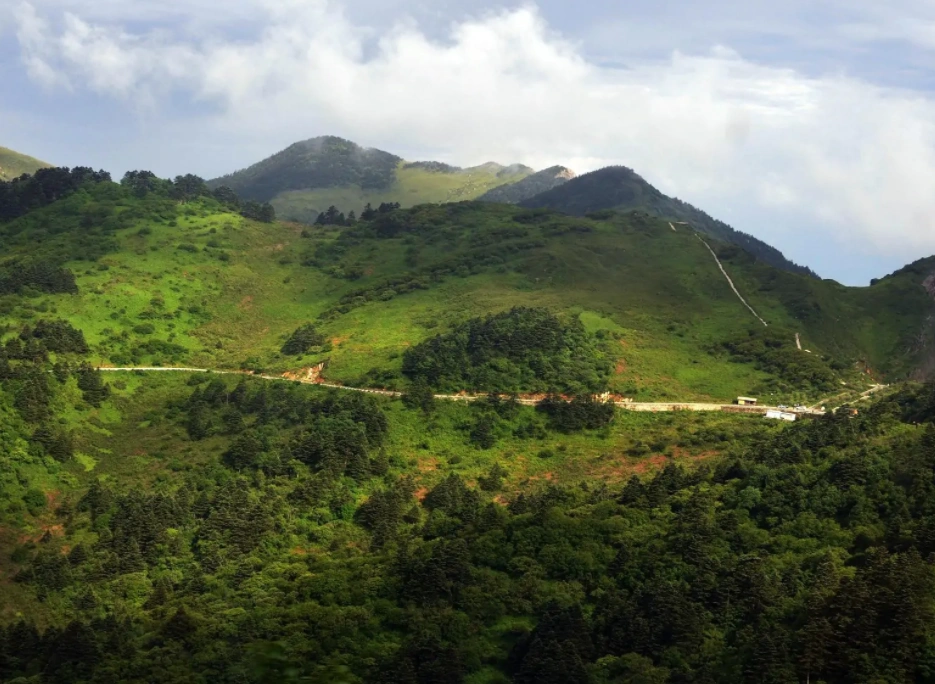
(709, 127)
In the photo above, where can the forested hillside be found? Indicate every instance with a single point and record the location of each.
(217, 530)
(245, 527)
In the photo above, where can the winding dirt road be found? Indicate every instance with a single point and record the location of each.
(655, 407)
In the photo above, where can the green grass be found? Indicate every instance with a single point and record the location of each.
(412, 186)
(239, 288)
(13, 164)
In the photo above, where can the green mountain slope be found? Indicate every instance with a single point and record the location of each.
(617, 187)
(191, 526)
(530, 186)
(307, 177)
(14, 164)
(415, 183)
(197, 284)
(324, 162)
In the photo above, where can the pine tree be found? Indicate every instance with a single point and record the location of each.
(74, 653)
(91, 382)
(180, 627)
(132, 558)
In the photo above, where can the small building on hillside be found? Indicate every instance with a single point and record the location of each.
(780, 415)
(746, 401)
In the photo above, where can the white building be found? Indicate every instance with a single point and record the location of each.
(780, 415)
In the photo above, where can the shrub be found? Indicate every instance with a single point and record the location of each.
(578, 414)
(34, 500)
(303, 339)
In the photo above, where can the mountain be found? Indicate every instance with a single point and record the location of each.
(307, 177)
(325, 162)
(14, 164)
(621, 188)
(530, 186)
(180, 501)
(386, 283)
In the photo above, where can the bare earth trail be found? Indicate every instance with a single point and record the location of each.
(729, 281)
(628, 405)
(860, 397)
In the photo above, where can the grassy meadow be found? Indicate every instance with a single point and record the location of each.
(412, 186)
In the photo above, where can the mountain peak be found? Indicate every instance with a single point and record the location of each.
(322, 162)
(620, 187)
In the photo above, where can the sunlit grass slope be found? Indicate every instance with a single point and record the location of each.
(413, 185)
(14, 164)
(193, 284)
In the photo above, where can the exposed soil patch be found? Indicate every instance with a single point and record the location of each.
(428, 465)
(421, 493)
(246, 303)
(57, 530)
(655, 462)
(703, 456)
(621, 366)
(51, 499)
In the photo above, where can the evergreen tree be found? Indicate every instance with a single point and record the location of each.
(91, 383)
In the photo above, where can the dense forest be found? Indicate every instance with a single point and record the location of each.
(30, 192)
(770, 351)
(799, 555)
(521, 349)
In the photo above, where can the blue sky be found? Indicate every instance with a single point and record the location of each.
(808, 124)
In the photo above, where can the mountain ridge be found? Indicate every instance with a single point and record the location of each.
(621, 188)
(306, 178)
